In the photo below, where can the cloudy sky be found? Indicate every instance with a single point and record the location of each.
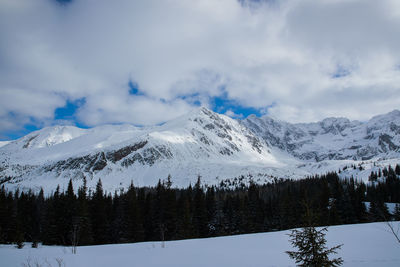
(91, 62)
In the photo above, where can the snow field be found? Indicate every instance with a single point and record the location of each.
(364, 245)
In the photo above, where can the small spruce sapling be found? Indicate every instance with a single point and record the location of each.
(311, 246)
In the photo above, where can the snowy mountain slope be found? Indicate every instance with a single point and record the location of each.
(332, 138)
(3, 143)
(199, 143)
(203, 143)
(364, 245)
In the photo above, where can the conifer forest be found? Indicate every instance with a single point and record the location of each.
(84, 217)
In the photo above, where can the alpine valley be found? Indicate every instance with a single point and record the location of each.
(202, 143)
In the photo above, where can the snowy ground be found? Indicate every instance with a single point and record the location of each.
(364, 245)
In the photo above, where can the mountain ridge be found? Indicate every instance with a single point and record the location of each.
(382, 129)
(200, 143)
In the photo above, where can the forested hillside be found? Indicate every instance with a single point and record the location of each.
(167, 213)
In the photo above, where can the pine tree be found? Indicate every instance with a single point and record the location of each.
(311, 246)
(38, 212)
(378, 211)
(397, 169)
(397, 212)
(170, 214)
(185, 225)
(199, 210)
(85, 225)
(99, 215)
(71, 221)
(131, 213)
(334, 218)
(312, 250)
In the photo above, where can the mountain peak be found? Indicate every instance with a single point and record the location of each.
(334, 122)
(395, 112)
(391, 116)
(204, 111)
(49, 136)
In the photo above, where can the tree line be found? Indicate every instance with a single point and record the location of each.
(167, 213)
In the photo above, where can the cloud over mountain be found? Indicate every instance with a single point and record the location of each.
(305, 60)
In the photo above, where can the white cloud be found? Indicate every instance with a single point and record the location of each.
(285, 53)
(232, 114)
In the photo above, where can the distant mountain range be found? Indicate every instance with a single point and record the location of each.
(332, 138)
(204, 143)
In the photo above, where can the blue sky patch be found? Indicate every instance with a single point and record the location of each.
(15, 134)
(134, 88)
(68, 112)
(223, 104)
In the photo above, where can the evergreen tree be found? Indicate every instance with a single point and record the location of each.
(131, 214)
(378, 211)
(159, 211)
(254, 209)
(71, 222)
(312, 250)
(3, 215)
(199, 210)
(211, 211)
(139, 230)
(397, 169)
(118, 225)
(185, 225)
(311, 246)
(85, 225)
(334, 218)
(51, 228)
(397, 212)
(38, 212)
(99, 215)
(170, 213)
(151, 227)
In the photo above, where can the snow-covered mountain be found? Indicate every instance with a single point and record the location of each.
(203, 143)
(332, 138)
